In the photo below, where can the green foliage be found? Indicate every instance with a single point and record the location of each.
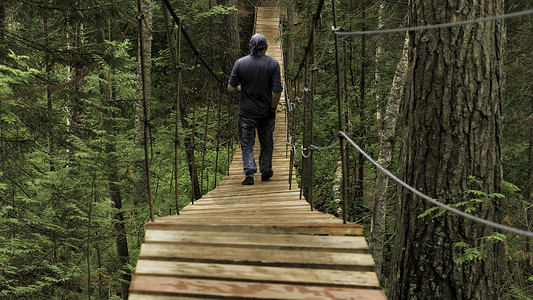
(215, 11)
(470, 253)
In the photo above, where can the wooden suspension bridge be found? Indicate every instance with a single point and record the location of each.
(255, 242)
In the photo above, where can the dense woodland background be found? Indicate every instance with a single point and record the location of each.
(72, 183)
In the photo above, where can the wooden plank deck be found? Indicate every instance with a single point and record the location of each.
(255, 242)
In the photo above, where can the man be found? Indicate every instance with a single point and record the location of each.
(257, 78)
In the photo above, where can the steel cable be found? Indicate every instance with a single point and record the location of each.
(424, 196)
(436, 26)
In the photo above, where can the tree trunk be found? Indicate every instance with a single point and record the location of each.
(49, 109)
(337, 188)
(189, 152)
(73, 109)
(528, 190)
(140, 183)
(386, 152)
(378, 62)
(2, 27)
(111, 170)
(360, 160)
(289, 59)
(452, 131)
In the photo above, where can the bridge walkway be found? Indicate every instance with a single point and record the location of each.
(255, 242)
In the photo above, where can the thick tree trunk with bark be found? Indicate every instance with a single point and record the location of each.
(452, 131)
(138, 155)
(386, 152)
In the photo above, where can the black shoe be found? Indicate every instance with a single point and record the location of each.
(266, 176)
(248, 181)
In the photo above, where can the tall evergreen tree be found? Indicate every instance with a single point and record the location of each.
(140, 198)
(453, 127)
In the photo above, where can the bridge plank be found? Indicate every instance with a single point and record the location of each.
(265, 274)
(312, 229)
(168, 287)
(275, 241)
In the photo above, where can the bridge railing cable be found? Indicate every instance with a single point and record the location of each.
(431, 200)
(437, 26)
(191, 44)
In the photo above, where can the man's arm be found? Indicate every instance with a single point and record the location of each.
(234, 90)
(275, 99)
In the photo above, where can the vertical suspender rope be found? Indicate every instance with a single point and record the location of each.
(287, 99)
(311, 121)
(341, 124)
(231, 138)
(145, 113)
(177, 121)
(303, 174)
(192, 162)
(204, 149)
(218, 138)
(209, 97)
(292, 123)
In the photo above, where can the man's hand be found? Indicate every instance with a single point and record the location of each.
(272, 113)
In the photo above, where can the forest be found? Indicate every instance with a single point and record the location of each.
(116, 112)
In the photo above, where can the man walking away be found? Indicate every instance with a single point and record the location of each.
(257, 78)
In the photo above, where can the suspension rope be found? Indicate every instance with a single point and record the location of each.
(424, 196)
(191, 44)
(145, 113)
(436, 26)
(313, 147)
(316, 18)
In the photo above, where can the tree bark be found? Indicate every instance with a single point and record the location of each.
(452, 117)
(386, 152)
(73, 107)
(140, 182)
(378, 62)
(2, 27)
(289, 59)
(362, 130)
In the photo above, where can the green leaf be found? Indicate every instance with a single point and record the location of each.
(428, 212)
(496, 236)
(475, 192)
(461, 244)
(497, 195)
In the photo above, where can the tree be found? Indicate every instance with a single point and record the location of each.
(141, 175)
(111, 170)
(386, 151)
(451, 144)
